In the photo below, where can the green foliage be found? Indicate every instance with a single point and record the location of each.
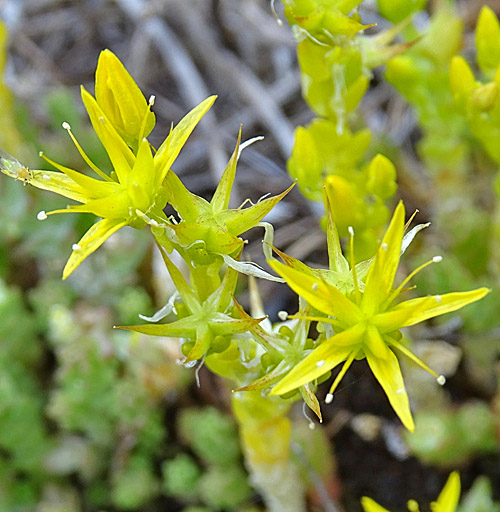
(212, 435)
(449, 438)
(181, 476)
(224, 489)
(479, 498)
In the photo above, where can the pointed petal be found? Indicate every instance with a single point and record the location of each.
(172, 145)
(188, 205)
(188, 296)
(91, 241)
(220, 199)
(115, 206)
(120, 98)
(240, 220)
(143, 171)
(371, 506)
(119, 153)
(180, 328)
(60, 184)
(322, 359)
(450, 495)
(336, 260)
(267, 380)
(320, 294)
(388, 373)
(424, 308)
(381, 275)
(310, 399)
(223, 324)
(92, 187)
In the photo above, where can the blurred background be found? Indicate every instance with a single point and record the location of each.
(93, 419)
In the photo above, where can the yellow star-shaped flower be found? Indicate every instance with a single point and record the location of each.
(367, 322)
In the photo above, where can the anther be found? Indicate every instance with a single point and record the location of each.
(282, 315)
(351, 230)
(321, 363)
(315, 286)
(45, 177)
(441, 380)
(437, 259)
(76, 247)
(41, 215)
(151, 100)
(384, 246)
(438, 298)
(66, 126)
(329, 398)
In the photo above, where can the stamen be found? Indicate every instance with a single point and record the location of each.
(413, 506)
(415, 359)
(410, 220)
(88, 161)
(279, 21)
(340, 376)
(282, 315)
(42, 215)
(353, 265)
(310, 422)
(441, 380)
(76, 247)
(399, 289)
(197, 371)
(151, 100)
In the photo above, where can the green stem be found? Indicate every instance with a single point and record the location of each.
(265, 432)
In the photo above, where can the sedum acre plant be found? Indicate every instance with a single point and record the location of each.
(355, 303)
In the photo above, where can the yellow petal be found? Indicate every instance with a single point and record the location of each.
(329, 354)
(371, 506)
(319, 294)
(172, 145)
(449, 496)
(91, 241)
(424, 308)
(119, 153)
(121, 99)
(388, 373)
(58, 183)
(381, 275)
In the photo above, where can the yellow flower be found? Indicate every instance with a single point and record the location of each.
(134, 190)
(447, 500)
(367, 322)
(121, 100)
